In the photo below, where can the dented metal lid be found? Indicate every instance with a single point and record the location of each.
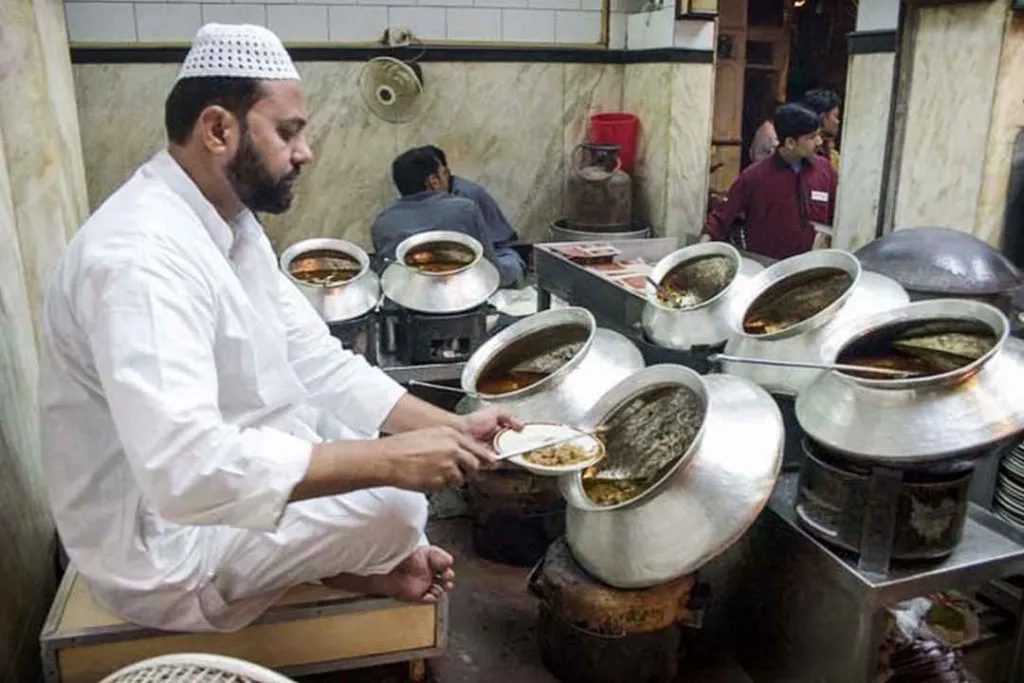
(941, 261)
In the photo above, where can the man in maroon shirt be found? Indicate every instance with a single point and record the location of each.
(788, 199)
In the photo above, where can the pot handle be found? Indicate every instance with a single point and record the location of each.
(806, 519)
(533, 580)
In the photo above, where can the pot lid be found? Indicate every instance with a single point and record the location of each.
(715, 498)
(973, 400)
(941, 261)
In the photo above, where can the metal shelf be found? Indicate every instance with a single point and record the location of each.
(990, 549)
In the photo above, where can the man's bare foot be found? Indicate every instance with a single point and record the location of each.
(422, 577)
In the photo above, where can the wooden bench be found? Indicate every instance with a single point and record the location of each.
(312, 629)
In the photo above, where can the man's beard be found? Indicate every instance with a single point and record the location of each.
(253, 182)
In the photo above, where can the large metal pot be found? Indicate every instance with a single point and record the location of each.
(452, 291)
(866, 293)
(604, 357)
(698, 509)
(719, 275)
(901, 422)
(561, 232)
(335, 301)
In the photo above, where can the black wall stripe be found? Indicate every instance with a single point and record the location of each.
(175, 55)
(870, 42)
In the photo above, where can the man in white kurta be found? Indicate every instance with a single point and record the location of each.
(207, 443)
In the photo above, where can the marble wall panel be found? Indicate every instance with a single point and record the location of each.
(955, 61)
(689, 144)
(509, 126)
(647, 92)
(42, 199)
(500, 125)
(866, 118)
(1007, 122)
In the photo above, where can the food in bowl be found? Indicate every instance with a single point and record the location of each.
(560, 455)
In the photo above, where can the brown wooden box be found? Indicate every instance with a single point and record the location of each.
(311, 630)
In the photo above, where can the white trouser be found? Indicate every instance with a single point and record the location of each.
(364, 532)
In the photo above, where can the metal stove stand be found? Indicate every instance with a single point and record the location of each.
(802, 611)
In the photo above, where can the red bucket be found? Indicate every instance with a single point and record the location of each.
(616, 128)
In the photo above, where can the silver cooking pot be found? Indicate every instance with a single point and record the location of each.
(868, 293)
(721, 269)
(604, 358)
(338, 301)
(454, 291)
(702, 505)
(923, 419)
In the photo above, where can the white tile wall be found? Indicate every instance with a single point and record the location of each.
(346, 21)
(426, 23)
(298, 23)
(166, 22)
(101, 22)
(528, 25)
(357, 24)
(474, 24)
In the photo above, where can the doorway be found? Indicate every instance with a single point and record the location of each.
(770, 52)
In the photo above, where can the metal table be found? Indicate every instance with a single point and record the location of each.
(802, 611)
(613, 306)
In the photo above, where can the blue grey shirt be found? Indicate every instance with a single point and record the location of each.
(501, 231)
(426, 211)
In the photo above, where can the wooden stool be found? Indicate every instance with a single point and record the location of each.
(312, 629)
(593, 633)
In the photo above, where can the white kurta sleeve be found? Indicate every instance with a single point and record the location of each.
(340, 382)
(151, 326)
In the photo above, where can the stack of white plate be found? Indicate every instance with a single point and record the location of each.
(1009, 499)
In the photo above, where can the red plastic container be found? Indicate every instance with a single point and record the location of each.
(617, 128)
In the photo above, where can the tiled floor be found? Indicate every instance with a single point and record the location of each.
(492, 628)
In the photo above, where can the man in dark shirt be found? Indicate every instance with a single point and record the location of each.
(499, 228)
(426, 205)
(788, 198)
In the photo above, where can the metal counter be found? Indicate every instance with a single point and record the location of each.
(613, 306)
(801, 611)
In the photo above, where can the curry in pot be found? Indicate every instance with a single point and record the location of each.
(794, 299)
(921, 348)
(439, 258)
(644, 437)
(693, 282)
(531, 360)
(324, 267)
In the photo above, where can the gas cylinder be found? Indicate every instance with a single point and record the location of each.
(599, 193)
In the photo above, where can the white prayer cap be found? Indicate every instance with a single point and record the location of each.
(240, 51)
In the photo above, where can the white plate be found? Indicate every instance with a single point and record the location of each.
(537, 434)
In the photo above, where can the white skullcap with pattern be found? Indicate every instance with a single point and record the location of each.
(239, 51)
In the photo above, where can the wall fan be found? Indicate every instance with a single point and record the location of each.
(392, 88)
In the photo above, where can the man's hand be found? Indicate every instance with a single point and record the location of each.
(433, 459)
(705, 237)
(483, 425)
(821, 241)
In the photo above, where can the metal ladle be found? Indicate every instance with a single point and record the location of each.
(442, 387)
(840, 367)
